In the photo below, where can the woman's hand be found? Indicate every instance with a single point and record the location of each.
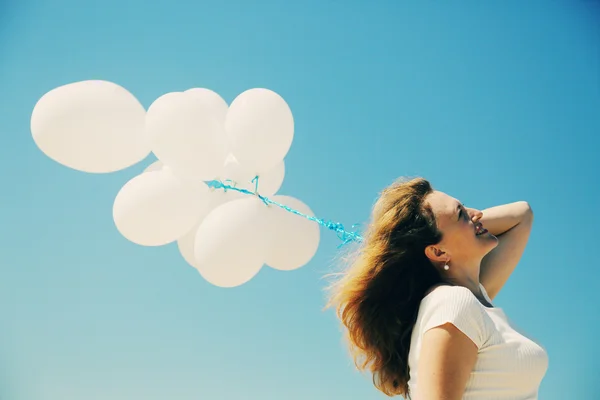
(475, 214)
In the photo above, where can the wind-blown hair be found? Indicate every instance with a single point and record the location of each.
(377, 298)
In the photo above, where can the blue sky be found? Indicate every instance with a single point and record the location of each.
(492, 101)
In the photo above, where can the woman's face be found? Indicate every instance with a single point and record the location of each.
(463, 241)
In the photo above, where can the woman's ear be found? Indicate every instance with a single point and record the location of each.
(436, 254)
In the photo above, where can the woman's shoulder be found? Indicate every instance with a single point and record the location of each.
(448, 292)
(457, 305)
(452, 299)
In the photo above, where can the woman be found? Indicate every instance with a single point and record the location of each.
(417, 299)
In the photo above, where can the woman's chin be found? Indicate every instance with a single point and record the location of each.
(487, 242)
(490, 241)
(487, 237)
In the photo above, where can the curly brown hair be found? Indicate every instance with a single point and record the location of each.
(377, 298)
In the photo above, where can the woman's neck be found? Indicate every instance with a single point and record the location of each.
(469, 278)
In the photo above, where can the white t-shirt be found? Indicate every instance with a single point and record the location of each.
(509, 366)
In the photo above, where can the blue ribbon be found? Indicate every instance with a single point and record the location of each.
(342, 233)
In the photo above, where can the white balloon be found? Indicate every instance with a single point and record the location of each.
(211, 101)
(155, 166)
(186, 135)
(234, 173)
(260, 129)
(270, 182)
(156, 208)
(294, 239)
(222, 196)
(186, 243)
(91, 126)
(231, 242)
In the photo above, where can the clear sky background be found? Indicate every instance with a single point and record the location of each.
(493, 102)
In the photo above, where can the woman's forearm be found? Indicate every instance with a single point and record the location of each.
(500, 219)
(511, 223)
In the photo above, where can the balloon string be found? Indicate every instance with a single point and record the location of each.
(342, 233)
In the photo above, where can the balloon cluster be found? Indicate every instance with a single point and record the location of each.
(203, 192)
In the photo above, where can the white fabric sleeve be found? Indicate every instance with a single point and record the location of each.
(458, 306)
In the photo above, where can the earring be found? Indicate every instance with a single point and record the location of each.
(446, 267)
